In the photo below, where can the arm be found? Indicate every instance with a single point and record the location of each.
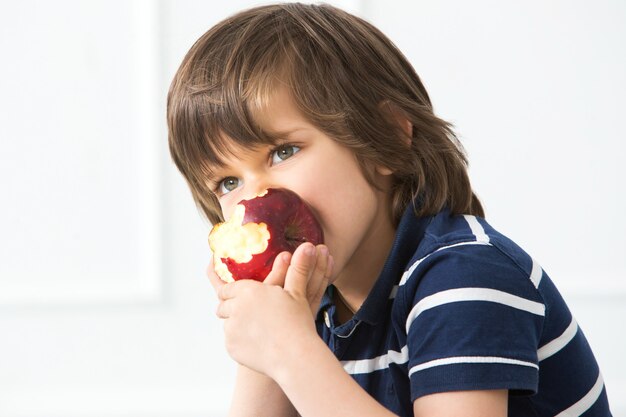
(462, 403)
(321, 376)
(270, 329)
(256, 394)
(317, 384)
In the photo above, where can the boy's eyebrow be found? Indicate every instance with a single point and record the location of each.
(215, 170)
(212, 170)
(287, 132)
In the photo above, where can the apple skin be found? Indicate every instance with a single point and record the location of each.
(281, 220)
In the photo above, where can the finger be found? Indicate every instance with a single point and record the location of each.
(228, 290)
(317, 298)
(279, 270)
(316, 281)
(300, 269)
(223, 310)
(214, 279)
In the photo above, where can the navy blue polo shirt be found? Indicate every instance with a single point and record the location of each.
(459, 306)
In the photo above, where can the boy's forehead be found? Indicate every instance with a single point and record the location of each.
(279, 115)
(230, 152)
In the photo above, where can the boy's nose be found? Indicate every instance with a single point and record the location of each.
(256, 181)
(258, 187)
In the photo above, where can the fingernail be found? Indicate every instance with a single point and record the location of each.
(323, 250)
(309, 250)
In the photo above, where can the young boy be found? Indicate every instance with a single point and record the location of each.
(414, 305)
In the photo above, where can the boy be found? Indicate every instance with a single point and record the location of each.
(414, 305)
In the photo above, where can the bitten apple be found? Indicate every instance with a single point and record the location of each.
(259, 229)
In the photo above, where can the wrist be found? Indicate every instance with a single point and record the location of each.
(299, 353)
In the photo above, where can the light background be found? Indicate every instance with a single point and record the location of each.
(104, 308)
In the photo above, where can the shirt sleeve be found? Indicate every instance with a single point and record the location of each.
(474, 323)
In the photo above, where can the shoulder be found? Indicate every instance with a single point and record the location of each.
(466, 251)
(465, 269)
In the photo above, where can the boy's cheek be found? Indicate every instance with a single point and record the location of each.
(226, 213)
(227, 207)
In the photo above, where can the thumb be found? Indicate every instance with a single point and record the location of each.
(279, 270)
(300, 269)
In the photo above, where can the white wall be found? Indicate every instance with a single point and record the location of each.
(104, 308)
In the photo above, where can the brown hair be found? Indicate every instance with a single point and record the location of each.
(346, 78)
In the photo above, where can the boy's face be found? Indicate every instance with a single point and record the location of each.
(353, 214)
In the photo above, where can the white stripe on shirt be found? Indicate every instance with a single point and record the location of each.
(473, 294)
(558, 343)
(407, 274)
(536, 274)
(585, 402)
(469, 359)
(365, 366)
(477, 229)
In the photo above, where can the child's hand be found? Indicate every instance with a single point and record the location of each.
(318, 278)
(317, 284)
(262, 323)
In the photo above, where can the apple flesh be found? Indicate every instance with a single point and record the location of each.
(275, 221)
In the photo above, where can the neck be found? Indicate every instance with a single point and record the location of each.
(358, 277)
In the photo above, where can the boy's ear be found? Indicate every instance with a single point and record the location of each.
(398, 117)
(384, 171)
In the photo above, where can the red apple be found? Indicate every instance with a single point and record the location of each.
(245, 246)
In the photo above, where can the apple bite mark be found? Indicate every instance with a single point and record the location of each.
(276, 220)
(237, 242)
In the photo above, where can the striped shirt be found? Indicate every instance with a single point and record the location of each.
(458, 306)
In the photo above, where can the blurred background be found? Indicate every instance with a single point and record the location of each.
(104, 306)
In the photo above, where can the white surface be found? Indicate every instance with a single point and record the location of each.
(79, 158)
(104, 308)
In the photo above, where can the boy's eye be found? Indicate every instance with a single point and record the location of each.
(284, 152)
(228, 184)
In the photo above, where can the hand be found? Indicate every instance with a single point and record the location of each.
(318, 273)
(317, 283)
(263, 323)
